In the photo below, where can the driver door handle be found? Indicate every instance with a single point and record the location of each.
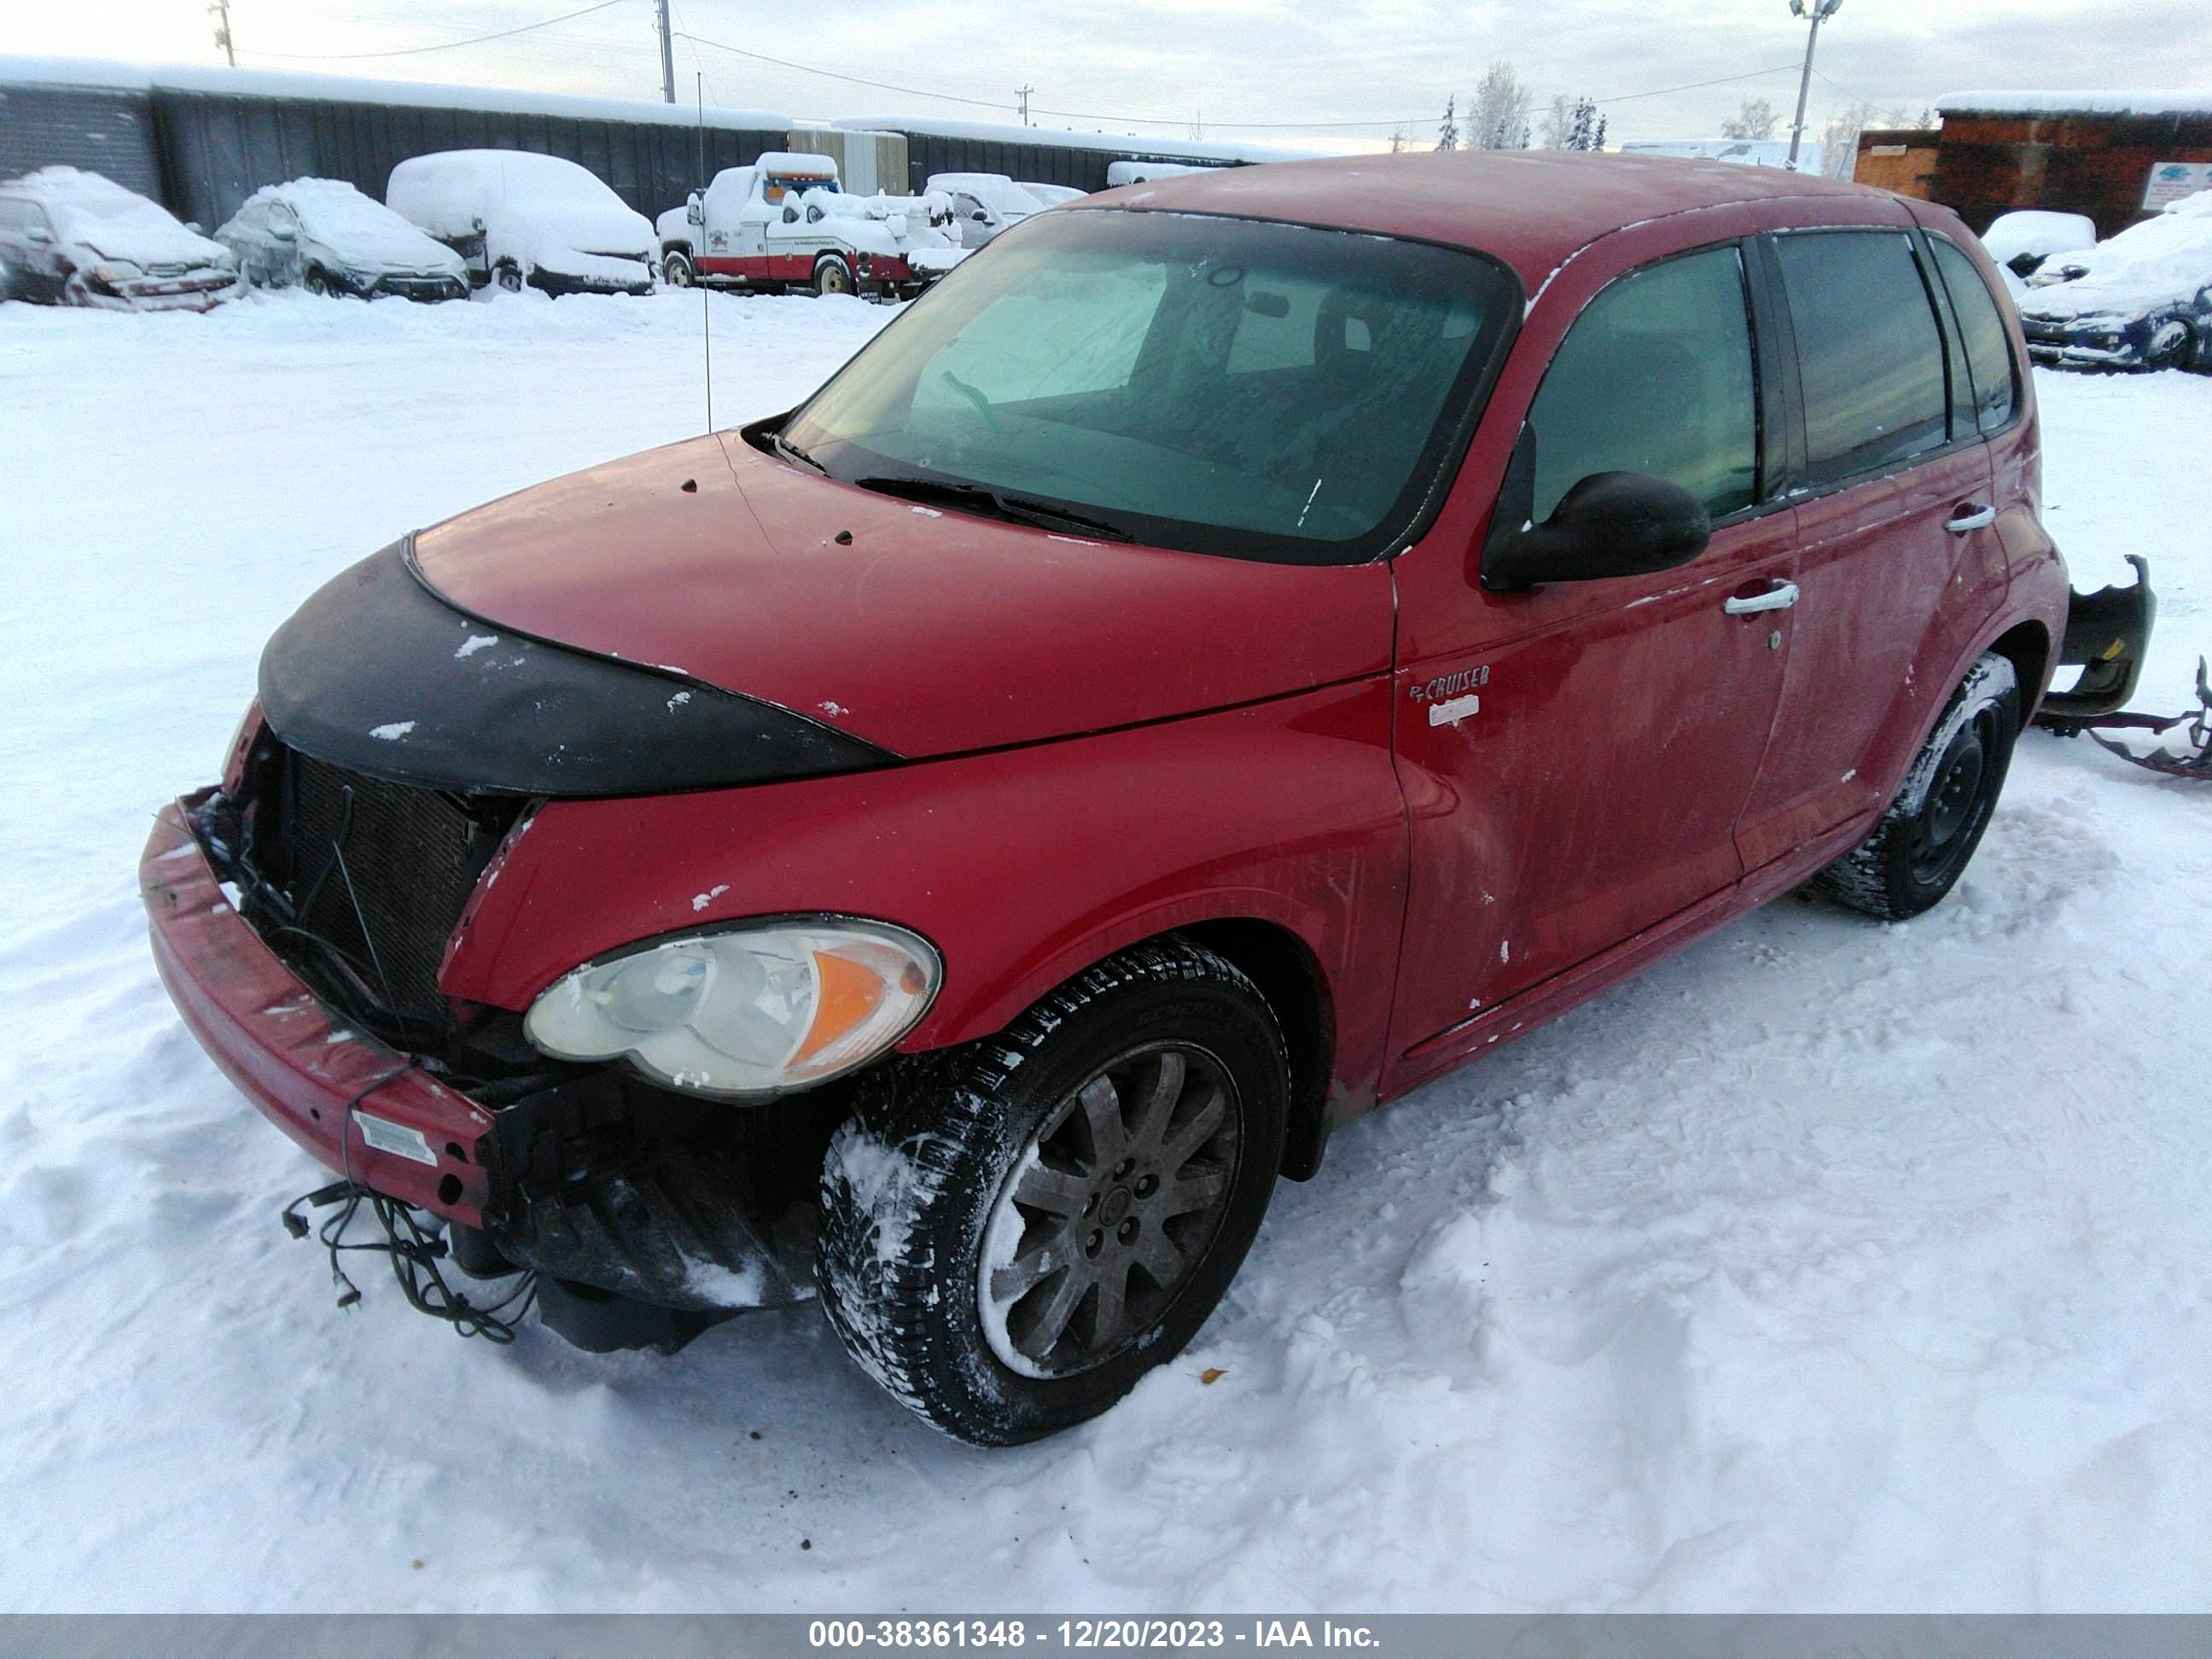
(1780, 596)
(1973, 518)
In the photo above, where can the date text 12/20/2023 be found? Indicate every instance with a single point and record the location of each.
(1088, 1633)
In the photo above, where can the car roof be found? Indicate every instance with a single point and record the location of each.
(1533, 208)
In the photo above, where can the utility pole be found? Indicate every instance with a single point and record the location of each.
(221, 12)
(1820, 11)
(668, 55)
(1023, 93)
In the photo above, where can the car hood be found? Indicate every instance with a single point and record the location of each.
(928, 633)
(394, 247)
(542, 230)
(146, 241)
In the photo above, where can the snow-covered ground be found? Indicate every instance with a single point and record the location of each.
(1827, 1265)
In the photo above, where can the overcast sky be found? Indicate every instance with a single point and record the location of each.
(1260, 68)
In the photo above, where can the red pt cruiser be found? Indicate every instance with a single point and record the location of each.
(1234, 651)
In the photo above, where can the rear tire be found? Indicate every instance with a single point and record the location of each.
(317, 283)
(833, 276)
(1925, 841)
(1014, 1234)
(507, 276)
(678, 271)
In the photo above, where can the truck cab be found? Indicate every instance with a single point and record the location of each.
(785, 223)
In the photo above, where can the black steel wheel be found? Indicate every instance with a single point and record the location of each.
(1924, 842)
(1015, 1234)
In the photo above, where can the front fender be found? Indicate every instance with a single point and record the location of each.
(1022, 865)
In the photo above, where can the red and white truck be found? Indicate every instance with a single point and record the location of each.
(784, 222)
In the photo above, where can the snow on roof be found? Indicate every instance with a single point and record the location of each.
(87, 192)
(1118, 144)
(119, 76)
(794, 164)
(2075, 103)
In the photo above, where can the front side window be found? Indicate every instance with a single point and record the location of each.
(1870, 353)
(1988, 347)
(1655, 376)
(1260, 390)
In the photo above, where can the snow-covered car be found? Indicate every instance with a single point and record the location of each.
(521, 220)
(2142, 300)
(984, 204)
(73, 238)
(784, 222)
(2022, 241)
(1052, 195)
(324, 235)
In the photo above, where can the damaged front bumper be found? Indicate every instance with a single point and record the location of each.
(648, 1218)
(366, 1111)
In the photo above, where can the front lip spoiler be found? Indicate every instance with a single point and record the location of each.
(301, 1066)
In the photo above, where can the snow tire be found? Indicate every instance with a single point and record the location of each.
(912, 1181)
(1925, 841)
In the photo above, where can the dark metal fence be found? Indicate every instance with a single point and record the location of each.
(217, 148)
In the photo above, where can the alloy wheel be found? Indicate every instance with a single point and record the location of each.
(1111, 1206)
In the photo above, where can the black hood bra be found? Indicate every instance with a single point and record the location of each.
(378, 674)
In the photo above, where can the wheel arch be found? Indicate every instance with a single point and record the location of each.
(2027, 646)
(1289, 976)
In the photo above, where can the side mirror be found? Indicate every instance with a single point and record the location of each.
(39, 236)
(1611, 523)
(283, 232)
(695, 211)
(980, 216)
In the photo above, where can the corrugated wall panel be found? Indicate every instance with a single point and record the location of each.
(103, 131)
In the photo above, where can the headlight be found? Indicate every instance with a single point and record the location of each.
(115, 271)
(751, 1011)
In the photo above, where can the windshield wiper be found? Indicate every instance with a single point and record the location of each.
(791, 451)
(979, 498)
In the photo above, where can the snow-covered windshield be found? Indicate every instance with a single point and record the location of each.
(1227, 386)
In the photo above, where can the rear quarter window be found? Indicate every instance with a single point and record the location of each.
(1869, 352)
(1989, 347)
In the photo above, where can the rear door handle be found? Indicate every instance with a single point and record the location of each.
(1974, 518)
(1780, 596)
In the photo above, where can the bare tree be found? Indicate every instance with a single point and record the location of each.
(1754, 121)
(1839, 139)
(1559, 126)
(1397, 140)
(1497, 115)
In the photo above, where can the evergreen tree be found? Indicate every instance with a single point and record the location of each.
(1447, 133)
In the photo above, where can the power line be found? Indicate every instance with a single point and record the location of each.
(856, 80)
(447, 46)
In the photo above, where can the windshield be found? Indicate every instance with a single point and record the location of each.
(1226, 385)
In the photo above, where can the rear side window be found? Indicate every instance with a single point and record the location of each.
(1989, 351)
(1655, 376)
(1869, 350)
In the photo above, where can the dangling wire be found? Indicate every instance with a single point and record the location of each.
(415, 1249)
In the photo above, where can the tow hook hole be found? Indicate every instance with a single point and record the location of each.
(689, 486)
(454, 1151)
(843, 539)
(449, 1189)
